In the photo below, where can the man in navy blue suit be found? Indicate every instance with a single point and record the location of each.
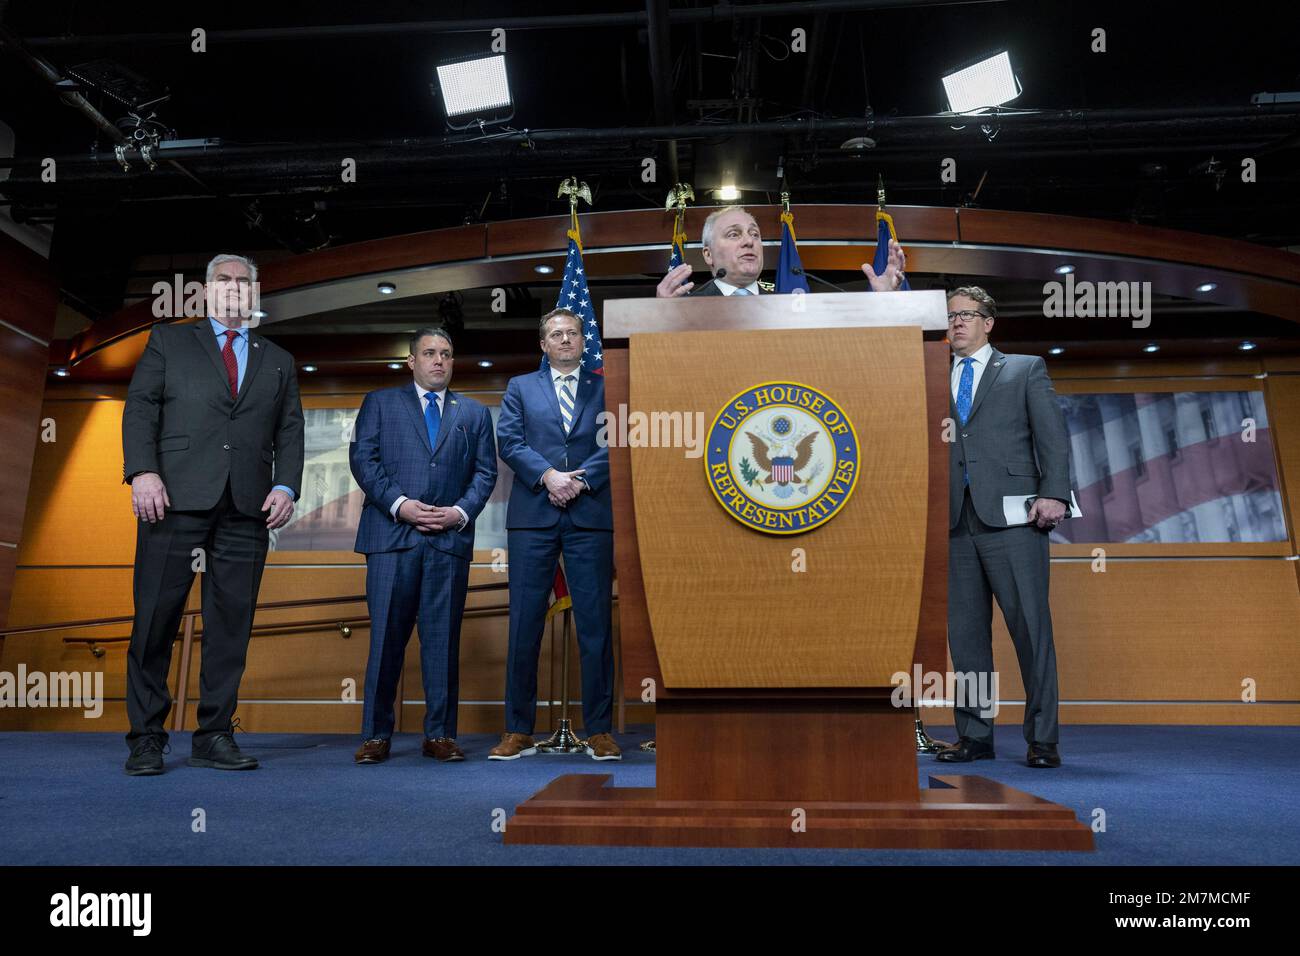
(560, 504)
(426, 459)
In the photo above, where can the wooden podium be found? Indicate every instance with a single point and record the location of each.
(770, 652)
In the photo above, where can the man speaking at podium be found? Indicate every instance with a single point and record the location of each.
(733, 250)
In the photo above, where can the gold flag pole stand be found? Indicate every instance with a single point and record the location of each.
(564, 740)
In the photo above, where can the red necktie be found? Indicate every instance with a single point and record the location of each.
(232, 363)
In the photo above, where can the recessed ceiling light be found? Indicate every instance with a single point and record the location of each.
(395, 365)
(309, 368)
(62, 372)
(1207, 287)
(544, 270)
(1064, 270)
(387, 288)
(727, 193)
(1247, 346)
(259, 314)
(1151, 347)
(1055, 350)
(484, 363)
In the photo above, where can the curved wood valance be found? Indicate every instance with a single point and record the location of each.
(980, 242)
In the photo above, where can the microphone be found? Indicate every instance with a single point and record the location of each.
(720, 274)
(799, 272)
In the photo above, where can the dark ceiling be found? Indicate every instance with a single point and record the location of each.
(1154, 130)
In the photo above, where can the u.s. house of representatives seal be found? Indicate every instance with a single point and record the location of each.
(782, 458)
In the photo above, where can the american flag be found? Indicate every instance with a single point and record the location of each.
(575, 297)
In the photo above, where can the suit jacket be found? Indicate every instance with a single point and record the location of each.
(1014, 443)
(180, 421)
(533, 440)
(390, 456)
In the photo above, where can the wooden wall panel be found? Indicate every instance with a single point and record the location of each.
(1283, 396)
(1188, 630)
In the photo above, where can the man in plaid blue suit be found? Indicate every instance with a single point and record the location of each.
(426, 459)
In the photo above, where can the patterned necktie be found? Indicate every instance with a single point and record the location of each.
(432, 419)
(566, 403)
(232, 363)
(965, 386)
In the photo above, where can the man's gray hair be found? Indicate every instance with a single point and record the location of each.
(706, 234)
(541, 328)
(230, 257)
(979, 295)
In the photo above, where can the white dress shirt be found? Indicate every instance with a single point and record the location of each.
(729, 289)
(981, 361)
(426, 397)
(557, 379)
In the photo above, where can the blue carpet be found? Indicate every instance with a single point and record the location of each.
(1171, 795)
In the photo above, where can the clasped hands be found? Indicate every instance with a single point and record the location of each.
(563, 486)
(428, 518)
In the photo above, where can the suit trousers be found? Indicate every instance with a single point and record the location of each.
(1011, 564)
(589, 569)
(417, 586)
(230, 548)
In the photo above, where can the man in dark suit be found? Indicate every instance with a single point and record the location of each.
(733, 250)
(559, 504)
(427, 460)
(1010, 441)
(212, 411)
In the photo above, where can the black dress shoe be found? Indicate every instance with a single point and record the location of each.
(146, 758)
(222, 753)
(966, 750)
(1042, 755)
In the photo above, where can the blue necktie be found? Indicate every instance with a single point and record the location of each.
(965, 386)
(742, 292)
(432, 419)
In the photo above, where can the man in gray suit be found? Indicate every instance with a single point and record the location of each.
(211, 415)
(1010, 440)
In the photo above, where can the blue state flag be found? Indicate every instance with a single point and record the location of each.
(678, 255)
(789, 270)
(885, 232)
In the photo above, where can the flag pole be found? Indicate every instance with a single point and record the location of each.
(925, 744)
(564, 740)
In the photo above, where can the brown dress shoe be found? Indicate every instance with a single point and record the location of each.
(512, 747)
(602, 747)
(373, 751)
(444, 749)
